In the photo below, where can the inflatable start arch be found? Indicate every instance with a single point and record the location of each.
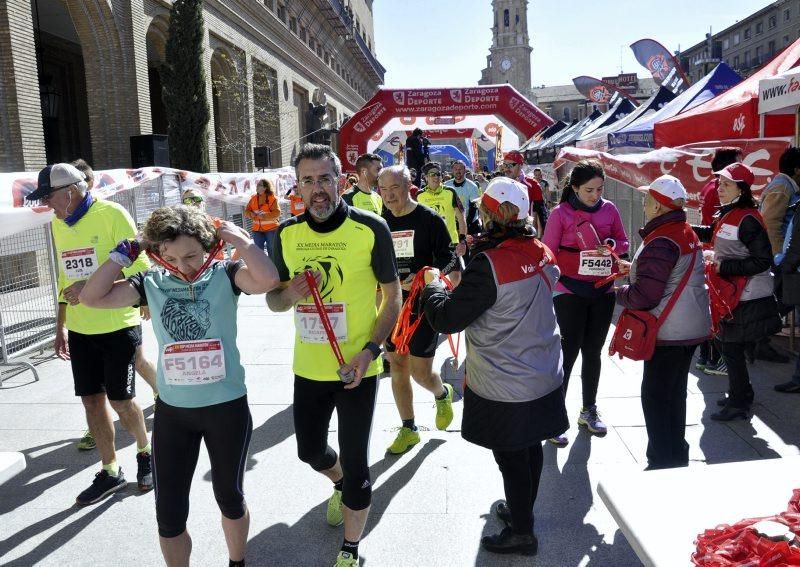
(503, 101)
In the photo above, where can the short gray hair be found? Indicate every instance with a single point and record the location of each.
(400, 170)
(319, 151)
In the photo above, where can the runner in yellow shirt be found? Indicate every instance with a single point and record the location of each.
(100, 344)
(351, 252)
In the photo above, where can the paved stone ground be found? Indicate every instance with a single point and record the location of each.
(430, 506)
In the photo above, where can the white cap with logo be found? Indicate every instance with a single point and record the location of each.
(503, 189)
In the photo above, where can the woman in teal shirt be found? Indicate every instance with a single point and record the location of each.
(202, 396)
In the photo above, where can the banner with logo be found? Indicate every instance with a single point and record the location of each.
(597, 91)
(17, 214)
(665, 69)
(780, 93)
(691, 164)
(503, 101)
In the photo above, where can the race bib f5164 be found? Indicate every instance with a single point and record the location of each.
(191, 363)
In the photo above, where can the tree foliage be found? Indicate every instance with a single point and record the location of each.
(184, 87)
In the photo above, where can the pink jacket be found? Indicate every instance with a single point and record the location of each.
(560, 231)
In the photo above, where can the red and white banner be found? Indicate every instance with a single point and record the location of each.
(691, 164)
(17, 215)
(500, 100)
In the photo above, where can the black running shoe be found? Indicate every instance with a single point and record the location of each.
(103, 485)
(144, 473)
(509, 542)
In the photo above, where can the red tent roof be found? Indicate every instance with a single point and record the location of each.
(733, 114)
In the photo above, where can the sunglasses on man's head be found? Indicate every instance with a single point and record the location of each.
(192, 200)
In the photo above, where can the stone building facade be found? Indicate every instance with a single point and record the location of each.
(509, 59)
(78, 78)
(748, 44)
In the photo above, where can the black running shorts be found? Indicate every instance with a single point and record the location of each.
(423, 343)
(105, 362)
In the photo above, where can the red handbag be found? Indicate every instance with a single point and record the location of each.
(636, 332)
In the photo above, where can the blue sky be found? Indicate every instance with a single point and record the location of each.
(434, 43)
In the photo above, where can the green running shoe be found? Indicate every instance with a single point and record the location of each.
(87, 442)
(334, 514)
(444, 409)
(406, 438)
(345, 559)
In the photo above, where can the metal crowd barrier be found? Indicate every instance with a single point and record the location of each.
(28, 276)
(27, 296)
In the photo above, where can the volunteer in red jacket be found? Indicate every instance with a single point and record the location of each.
(578, 230)
(669, 261)
(512, 397)
(512, 167)
(710, 358)
(741, 257)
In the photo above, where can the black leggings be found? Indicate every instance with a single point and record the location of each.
(177, 432)
(584, 324)
(314, 402)
(521, 472)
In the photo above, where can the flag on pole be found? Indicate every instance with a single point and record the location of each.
(666, 70)
(597, 91)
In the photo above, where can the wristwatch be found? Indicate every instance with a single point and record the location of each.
(373, 348)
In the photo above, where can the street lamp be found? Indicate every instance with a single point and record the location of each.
(50, 97)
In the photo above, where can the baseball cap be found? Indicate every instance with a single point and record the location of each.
(503, 189)
(738, 172)
(514, 157)
(55, 177)
(665, 189)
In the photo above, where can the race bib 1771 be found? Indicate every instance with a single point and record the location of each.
(310, 327)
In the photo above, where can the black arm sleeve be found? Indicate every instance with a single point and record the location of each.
(384, 263)
(452, 312)
(347, 197)
(704, 233)
(137, 281)
(231, 268)
(752, 235)
(444, 255)
(277, 258)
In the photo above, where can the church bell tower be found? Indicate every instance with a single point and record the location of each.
(509, 59)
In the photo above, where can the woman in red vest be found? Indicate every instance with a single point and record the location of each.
(578, 231)
(263, 210)
(667, 281)
(739, 276)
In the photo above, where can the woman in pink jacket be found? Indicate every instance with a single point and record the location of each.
(578, 231)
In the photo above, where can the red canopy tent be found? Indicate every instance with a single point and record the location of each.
(733, 114)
